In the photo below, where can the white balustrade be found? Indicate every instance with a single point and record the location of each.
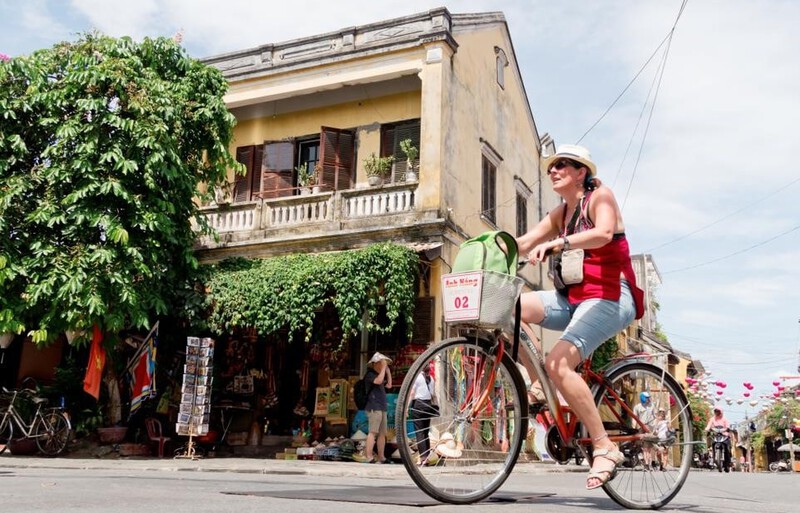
(316, 208)
(296, 212)
(379, 202)
(233, 219)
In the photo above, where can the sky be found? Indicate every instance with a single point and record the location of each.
(698, 149)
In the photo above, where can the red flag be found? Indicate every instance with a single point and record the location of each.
(94, 369)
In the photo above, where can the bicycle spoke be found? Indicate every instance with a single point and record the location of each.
(638, 484)
(476, 438)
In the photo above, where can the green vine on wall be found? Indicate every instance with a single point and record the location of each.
(286, 291)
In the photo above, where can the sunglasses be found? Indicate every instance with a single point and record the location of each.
(560, 164)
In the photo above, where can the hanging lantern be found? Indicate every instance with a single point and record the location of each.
(720, 392)
(776, 383)
(739, 401)
(753, 402)
(746, 394)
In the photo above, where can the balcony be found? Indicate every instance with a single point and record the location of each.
(353, 210)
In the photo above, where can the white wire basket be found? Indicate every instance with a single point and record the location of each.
(484, 299)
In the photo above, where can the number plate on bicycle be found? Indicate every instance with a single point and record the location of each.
(461, 293)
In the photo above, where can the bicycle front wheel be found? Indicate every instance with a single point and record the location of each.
(52, 432)
(645, 487)
(6, 432)
(466, 452)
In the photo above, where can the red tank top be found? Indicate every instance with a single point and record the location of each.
(603, 266)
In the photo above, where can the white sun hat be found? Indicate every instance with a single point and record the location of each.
(378, 357)
(574, 152)
(448, 447)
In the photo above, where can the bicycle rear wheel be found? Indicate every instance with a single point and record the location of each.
(52, 432)
(474, 443)
(643, 487)
(6, 432)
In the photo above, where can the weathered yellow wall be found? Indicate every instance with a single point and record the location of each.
(480, 108)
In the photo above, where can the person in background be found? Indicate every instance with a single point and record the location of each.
(662, 431)
(422, 410)
(719, 421)
(646, 412)
(380, 378)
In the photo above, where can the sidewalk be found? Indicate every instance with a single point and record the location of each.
(245, 465)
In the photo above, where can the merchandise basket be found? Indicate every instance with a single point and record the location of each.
(484, 299)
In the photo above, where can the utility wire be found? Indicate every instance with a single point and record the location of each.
(787, 232)
(666, 39)
(746, 207)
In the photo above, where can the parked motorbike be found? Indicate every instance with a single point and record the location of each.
(780, 466)
(720, 446)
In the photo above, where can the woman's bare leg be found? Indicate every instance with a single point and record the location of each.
(560, 365)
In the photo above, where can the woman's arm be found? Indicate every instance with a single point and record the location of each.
(603, 213)
(545, 230)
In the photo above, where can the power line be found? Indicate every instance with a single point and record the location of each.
(666, 39)
(787, 232)
(781, 189)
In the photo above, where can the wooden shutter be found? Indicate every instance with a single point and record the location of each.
(488, 190)
(277, 173)
(337, 151)
(242, 188)
(423, 320)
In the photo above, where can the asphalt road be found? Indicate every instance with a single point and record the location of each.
(32, 490)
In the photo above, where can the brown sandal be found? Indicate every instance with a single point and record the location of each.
(604, 476)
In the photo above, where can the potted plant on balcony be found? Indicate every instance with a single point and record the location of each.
(411, 152)
(316, 177)
(377, 168)
(305, 179)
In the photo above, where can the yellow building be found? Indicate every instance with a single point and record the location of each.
(448, 82)
(332, 102)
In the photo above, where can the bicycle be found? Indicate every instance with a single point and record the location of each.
(483, 405)
(50, 427)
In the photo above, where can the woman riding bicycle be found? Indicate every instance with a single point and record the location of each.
(593, 310)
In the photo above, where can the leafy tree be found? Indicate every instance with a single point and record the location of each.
(103, 143)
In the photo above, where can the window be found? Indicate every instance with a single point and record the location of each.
(524, 193)
(391, 136)
(270, 167)
(308, 154)
(501, 61)
(489, 190)
(522, 215)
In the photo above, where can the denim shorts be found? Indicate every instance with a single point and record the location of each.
(588, 324)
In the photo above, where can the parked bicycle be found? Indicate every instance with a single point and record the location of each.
(484, 415)
(50, 427)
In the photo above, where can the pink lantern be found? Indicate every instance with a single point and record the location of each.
(746, 384)
(776, 383)
(746, 394)
(721, 384)
(691, 381)
(776, 394)
(720, 392)
(781, 388)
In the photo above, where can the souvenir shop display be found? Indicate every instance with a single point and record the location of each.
(195, 407)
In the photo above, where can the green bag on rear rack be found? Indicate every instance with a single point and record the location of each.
(485, 252)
